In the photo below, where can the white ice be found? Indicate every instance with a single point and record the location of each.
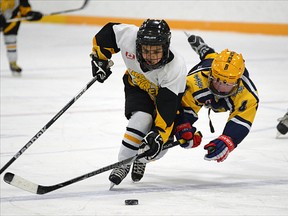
(56, 66)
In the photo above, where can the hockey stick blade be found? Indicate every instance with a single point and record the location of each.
(24, 184)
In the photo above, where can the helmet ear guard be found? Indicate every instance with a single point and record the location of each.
(154, 33)
(227, 68)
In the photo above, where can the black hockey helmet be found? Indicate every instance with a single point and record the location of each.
(153, 32)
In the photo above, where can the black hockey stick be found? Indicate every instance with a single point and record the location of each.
(27, 185)
(53, 13)
(37, 135)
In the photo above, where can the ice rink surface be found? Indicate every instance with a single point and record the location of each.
(56, 66)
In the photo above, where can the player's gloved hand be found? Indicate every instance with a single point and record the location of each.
(219, 148)
(151, 146)
(2, 21)
(34, 15)
(187, 132)
(100, 68)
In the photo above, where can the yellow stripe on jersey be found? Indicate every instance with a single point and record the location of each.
(11, 26)
(164, 131)
(96, 49)
(24, 10)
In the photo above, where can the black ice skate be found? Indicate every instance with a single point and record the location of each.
(138, 170)
(282, 126)
(199, 46)
(118, 174)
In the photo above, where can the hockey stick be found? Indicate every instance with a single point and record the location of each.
(29, 186)
(52, 121)
(53, 13)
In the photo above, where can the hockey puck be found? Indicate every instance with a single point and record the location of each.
(131, 202)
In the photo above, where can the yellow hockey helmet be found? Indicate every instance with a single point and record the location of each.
(226, 71)
(228, 66)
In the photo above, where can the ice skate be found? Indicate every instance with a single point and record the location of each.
(118, 174)
(16, 70)
(198, 45)
(138, 170)
(282, 127)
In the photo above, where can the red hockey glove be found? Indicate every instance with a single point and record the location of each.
(219, 148)
(187, 132)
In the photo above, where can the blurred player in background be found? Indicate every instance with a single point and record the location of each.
(154, 83)
(11, 9)
(220, 82)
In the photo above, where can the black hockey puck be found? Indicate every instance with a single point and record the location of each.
(131, 202)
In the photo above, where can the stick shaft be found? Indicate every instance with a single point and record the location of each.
(43, 129)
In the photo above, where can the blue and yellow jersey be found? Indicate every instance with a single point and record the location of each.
(242, 105)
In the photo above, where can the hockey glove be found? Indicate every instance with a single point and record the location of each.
(34, 15)
(100, 68)
(187, 132)
(151, 146)
(2, 21)
(219, 148)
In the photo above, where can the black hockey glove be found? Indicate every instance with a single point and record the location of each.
(100, 68)
(151, 146)
(2, 21)
(34, 15)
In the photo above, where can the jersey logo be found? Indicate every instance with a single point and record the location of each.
(198, 81)
(144, 84)
(243, 106)
(130, 55)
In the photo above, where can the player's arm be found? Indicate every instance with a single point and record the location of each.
(104, 45)
(26, 11)
(104, 42)
(238, 125)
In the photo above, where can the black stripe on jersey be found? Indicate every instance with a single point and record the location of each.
(167, 104)
(139, 133)
(106, 39)
(202, 95)
(127, 145)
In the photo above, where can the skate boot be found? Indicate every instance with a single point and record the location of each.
(282, 126)
(138, 170)
(199, 46)
(16, 70)
(118, 174)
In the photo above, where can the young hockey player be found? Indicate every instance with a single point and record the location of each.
(154, 83)
(219, 82)
(11, 9)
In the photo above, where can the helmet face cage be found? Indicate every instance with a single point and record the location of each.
(222, 89)
(153, 33)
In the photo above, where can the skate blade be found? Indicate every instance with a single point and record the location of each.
(111, 186)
